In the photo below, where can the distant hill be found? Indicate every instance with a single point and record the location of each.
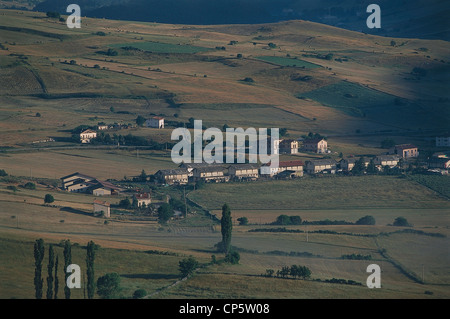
(400, 18)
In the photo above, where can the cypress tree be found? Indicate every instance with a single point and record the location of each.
(226, 228)
(90, 257)
(56, 278)
(67, 262)
(51, 265)
(39, 252)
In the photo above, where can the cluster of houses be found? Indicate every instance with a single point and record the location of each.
(215, 173)
(89, 134)
(81, 183)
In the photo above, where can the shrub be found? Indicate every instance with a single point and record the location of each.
(233, 257)
(29, 185)
(401, 221)
(48, 199)
(139, 294)
(3, 173)
(187, 266)
(366, 220)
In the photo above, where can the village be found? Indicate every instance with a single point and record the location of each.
(399, 157)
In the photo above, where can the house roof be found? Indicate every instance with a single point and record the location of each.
(158, 118)
(324, 161)
(405, 146)
(178, 171)
(208, 169)
(143, 196)
(354, 159)
(88, 131)
(243, 166)
(106, 184)
(78, 174)
(100, 202)
(313, 141)
(388, 157)
(290, 163)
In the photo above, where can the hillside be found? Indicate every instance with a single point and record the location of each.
(413, 19)
(193, 71)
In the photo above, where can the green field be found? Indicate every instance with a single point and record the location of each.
(284, 61)
(321, 193)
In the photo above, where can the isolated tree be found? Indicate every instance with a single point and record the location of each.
(187, 266)
(125, 203)
(139, 294)
(366, 220)
(39, 252)
(108, 286)
(50, 266)
(140, 120)
(401, 221)
(3, 173)
(67, 262)
(226, 229)
(243, 220)
(165, 212)
(48, 199)
(90, 258)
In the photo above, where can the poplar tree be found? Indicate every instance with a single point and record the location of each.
(56, 278)
(226, 228)
(67, 262)
(51, 265)
(90, 257)
(39, 252)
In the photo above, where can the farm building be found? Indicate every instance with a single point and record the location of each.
(316, 145)
(102, 188)
(82, 183)
(76, 182)
(144, 198)
(386, 160)
(244, 171)
(87, 135)
(155, 122)
(173, 176)
(405, 150)
(101, 207)
(348, 163)
(210, 174)
(321, 165)
(288, 147)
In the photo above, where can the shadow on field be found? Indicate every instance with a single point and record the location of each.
(74, 211)
(151, 276)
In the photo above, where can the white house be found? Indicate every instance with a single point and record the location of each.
(155, 122)
(87, 135)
